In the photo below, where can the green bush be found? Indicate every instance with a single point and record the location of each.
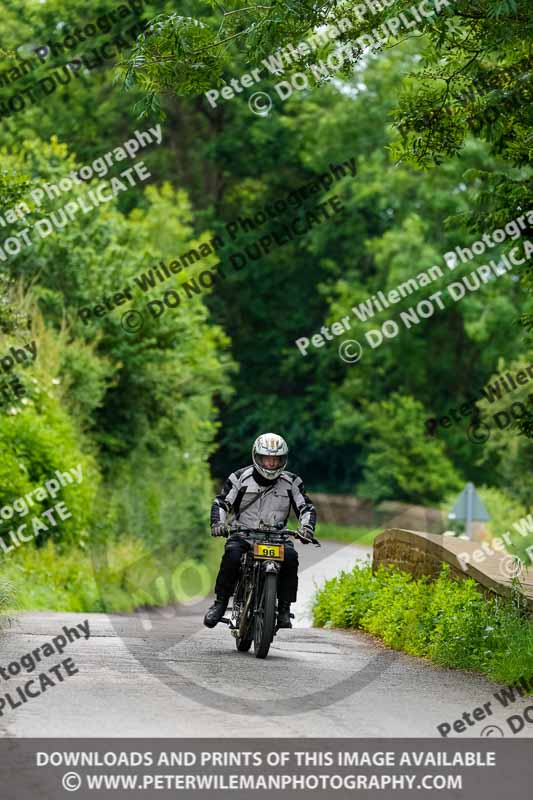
(447, 620)
(397, 613)
(342, 603)
(120, 577)
(462, 623)
(36, 442)
(138, 412)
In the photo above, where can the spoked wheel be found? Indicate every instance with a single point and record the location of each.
(244, 639)
(265, 618)
(243, 645)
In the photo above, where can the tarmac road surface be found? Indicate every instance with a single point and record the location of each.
(164, 674)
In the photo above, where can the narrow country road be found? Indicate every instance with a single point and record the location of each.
(164, 674)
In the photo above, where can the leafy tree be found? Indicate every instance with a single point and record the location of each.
(145, 401)
(229, 41)
(148, 407)
(508, 450)
(399, 463)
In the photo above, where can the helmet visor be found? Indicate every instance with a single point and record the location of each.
(270, 462)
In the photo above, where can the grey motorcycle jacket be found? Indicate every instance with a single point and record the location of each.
(252, 500)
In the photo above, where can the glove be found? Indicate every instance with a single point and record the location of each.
(306, 534)
(218, 530)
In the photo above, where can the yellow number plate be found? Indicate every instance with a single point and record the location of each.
(273, 552)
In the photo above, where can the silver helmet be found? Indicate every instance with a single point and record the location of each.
(266, 447)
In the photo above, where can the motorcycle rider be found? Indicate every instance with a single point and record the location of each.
(263, 492)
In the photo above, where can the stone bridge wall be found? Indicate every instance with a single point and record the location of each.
(424, 553)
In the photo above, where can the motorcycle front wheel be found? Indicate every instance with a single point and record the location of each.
(265, 618)
(244, 644)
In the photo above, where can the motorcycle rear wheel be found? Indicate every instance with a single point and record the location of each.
(265, 618)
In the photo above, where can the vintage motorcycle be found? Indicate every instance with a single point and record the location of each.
(253, 614)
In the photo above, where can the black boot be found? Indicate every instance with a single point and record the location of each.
(284, 614)
(216, 612)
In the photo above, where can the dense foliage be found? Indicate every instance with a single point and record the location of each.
(448, 621)
(436, 121)
(459, 99)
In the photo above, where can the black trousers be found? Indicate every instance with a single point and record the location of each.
(228, 573)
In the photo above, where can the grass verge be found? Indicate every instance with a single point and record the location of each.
(343, 533)
(446, 620)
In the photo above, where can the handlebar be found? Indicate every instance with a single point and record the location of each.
(268, 531)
